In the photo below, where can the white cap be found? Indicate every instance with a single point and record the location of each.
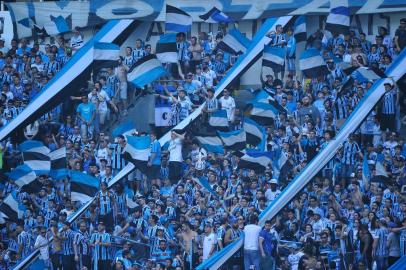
(273, 181)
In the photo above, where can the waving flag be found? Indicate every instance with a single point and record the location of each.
(234, 42)
(263, 113)
(364, 74)
(177, 20)
(234, 140)
(255, 132)
(312, 64)
(218, 120)
(366, 174)
(10, 209)
(83, 187)
(212, 144)
(145, 71)
(263, 96)
(166, 49)
(300, 32)
(36, 156)
(105, 55)
(338, 20)
(216, 16)
(380, 169)
(25, 178)
(126, 128)
(205, 184)
(274, 57)
(58, 164)
(255, 160)
(137, 151)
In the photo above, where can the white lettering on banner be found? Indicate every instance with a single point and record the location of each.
(312, 7)
(26, 14)
(123, 9)
(20, 13)
(79, 12)
(194, 8)
(370, 6)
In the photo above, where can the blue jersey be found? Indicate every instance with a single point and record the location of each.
(24, 240)
(105, 202)
(102, 252)
(67, 244)
(82, 242)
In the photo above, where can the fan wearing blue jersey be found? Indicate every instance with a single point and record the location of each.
(101, 242)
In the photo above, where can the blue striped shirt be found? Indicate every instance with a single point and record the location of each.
(350, 153)
(67, 244)
(24, 240)
(82, 242)
(102, 252)
(382, 236)
(105, 202)
(389, 100)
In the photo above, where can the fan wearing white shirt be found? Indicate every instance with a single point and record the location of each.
(209, 241)
(41, 243)
(175, 157)
(251, 243)
(227, 103)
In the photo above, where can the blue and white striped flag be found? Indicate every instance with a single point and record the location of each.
(126, 128)
(58, 164)
(177, 20)
(263, 96)
(216, 16)
(255, 160)
(106, 51)
(234, 42)
(166, 49)
(366, 174)
(218, 120)
(205, 184)
(57, 25)
(212, 144)
(273, 57)
(83, 186)
(145, 71)
(234, 140)
(25, 178)
(312, 64)
(137, 151)
(338, 21)
(365, 74)
(300, 32)
(263, 113)
(11, 209)
(36, 156)
(255, 133)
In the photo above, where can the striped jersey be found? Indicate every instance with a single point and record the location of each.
(101, 252)
(24, 240)
(382, 236)
(389, 102)
(82, 242)
(117, 160)
(105, 202)
(67, 244)
(350, 152)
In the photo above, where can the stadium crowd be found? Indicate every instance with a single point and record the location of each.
(164, 218)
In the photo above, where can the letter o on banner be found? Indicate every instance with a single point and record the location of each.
(122, 9)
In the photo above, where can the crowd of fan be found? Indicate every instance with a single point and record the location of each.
(164, 219)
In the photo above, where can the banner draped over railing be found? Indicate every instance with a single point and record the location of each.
(28, 14)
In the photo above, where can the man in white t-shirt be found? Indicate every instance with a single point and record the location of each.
(227, 103)
(209, 241)
(175, 157)
(251, 243)
(273, 191)
(42, 244)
